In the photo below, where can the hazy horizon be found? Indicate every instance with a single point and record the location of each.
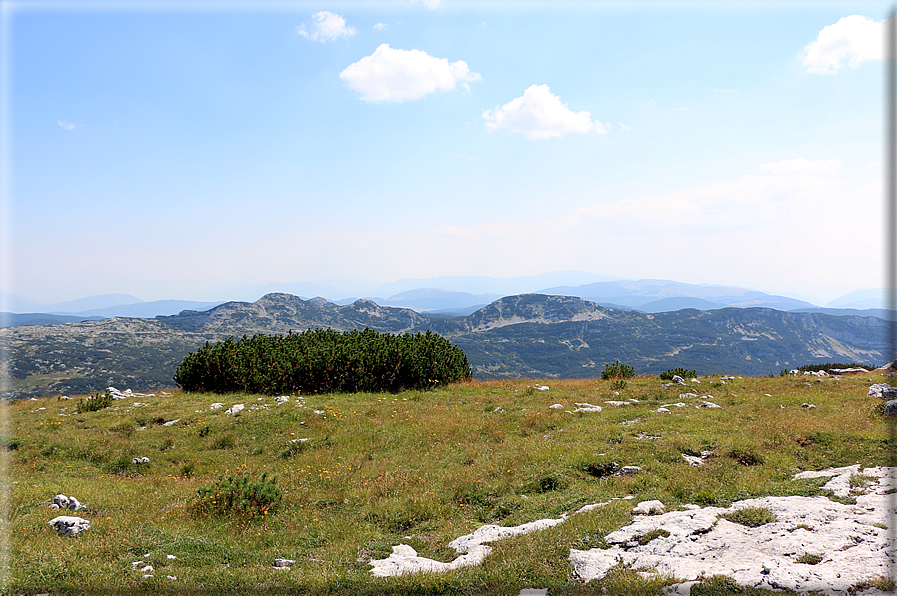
(173, 151)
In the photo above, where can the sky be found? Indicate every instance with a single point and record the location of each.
(170, 150)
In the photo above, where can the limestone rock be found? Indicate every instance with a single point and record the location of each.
(556, 407)
(891, 408)
(69, 525)
(234, 409)
(491, 533)
(851, 537)
(882, 390)
(404, 560)
(648, 508)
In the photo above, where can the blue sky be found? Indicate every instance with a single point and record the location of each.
(172, 150)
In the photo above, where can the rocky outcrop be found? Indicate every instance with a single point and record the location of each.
(814, 544)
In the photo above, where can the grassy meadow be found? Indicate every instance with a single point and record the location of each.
(418, 467)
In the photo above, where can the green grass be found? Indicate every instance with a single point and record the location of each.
(420, 468)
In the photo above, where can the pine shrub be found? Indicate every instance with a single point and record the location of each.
(617, 370)
(685, 373)
(94, 403)
(323, 360)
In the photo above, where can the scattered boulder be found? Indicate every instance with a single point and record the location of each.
(541, 387)
(648, 508)
(809, 406)
(556, 407)
(583, 407)
(216, 405)
(234, 409)
(707, 404)
(882, 390)
(617, 403)
(69, 525)
(116, 394)
(171, 422)
(678, 379)
(891, 408)
(140, 460)
(64, 502)
(695, 381)
(283, 563)
(282, 399)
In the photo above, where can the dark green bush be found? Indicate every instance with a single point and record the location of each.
(94, 403)
(617, 370)
(323, 360)
(239, 495)
(685, 373)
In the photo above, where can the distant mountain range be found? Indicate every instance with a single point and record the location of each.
(459, 296)
(529, 335)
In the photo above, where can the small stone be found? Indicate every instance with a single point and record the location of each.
(648, 508)
(555, 407)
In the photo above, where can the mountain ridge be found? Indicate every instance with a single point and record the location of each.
(528, 335)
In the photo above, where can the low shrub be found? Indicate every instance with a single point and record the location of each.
(94, 403)
(809, 559)
(685, 373)
(239, 495)
(618, 385)
(617, 370)
(324, 361)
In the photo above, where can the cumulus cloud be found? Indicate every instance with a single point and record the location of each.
(380, 26)
(326, 27)
(854, 40)
(400, 75)
(69, 126)
(540, 114)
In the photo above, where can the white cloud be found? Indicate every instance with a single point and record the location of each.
(856, 39)
(431, 4)
(540, 115)
(69, 126)
(327, 27)
(400, 75)
(380, 26)
(623, 126)
(773, 193)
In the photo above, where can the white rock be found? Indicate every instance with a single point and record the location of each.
(491, 533)
(587, 408)
(661, 410)
(700, 542)
(283, 562)
(172, 577)
(648, 507)
(282, 399)
(617, 403)
(695, 381)
(882, 390)
(136, 564)
(693, 460)
(404, 560)
(148, 569)
(216, 405)
(555, 407)
(170, 557)
(707, 404)
(234, 409)
(807, 405)
(171, 422)
(541, 387)
(69, 526)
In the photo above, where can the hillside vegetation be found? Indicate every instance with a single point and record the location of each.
(340, 478)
